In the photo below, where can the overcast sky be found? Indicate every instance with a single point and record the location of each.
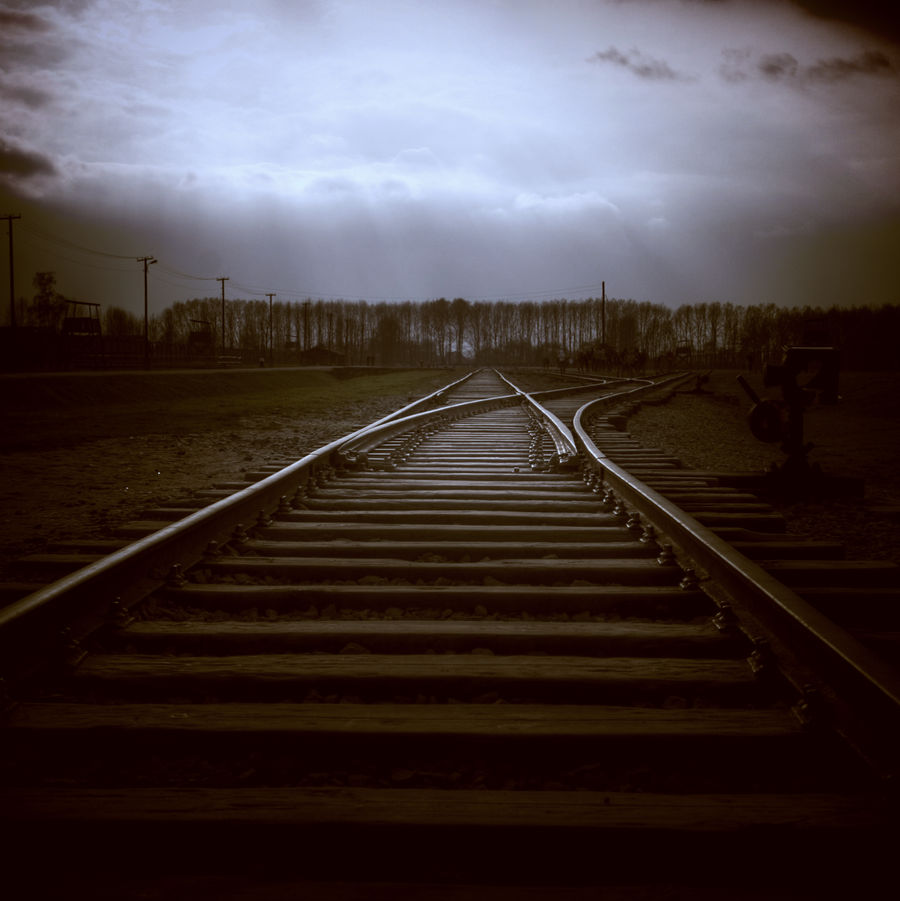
(680, 150)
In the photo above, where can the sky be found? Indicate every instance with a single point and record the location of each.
(681, 151)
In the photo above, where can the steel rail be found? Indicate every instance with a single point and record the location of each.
(63, 612)
(360, 443)
(354, 449)
(566, 451)
(566, 446)
(436, 398)
(825, 663)
(59, 615)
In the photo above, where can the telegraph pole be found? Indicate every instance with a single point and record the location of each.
(12, 278)
(603, 311)
(305, 325)
(223, 279)
(147, 261)
(271, 333)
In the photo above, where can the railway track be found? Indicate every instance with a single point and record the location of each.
(487, 645)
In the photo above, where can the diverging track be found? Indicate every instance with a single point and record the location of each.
(448, 659)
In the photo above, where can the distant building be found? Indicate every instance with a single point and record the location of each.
(322, 356)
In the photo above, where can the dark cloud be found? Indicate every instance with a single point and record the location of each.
(16, 20)
(67, 7)
(636, 62)
(27, 39)
(734, 66)
(876, 16)
(872, 62)
(778, 65)
(739, 65)
(31, 97)
(23, 163)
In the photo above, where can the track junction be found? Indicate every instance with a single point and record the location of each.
(486, 642)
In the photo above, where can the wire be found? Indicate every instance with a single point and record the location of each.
(292, 293)
(197, 278)
(90, 265)
(71, 245)
(552, 292)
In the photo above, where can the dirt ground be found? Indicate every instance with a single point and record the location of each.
(77, 472)
(103, 476)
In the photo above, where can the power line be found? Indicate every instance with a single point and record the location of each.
(71, 245)
(197, 278)
(59, 255)
(293, 293)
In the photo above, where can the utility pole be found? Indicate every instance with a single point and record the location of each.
(305, 325)
(12, 278)
(223, 279)
(147, 261)
(603, 312)
(271, 333)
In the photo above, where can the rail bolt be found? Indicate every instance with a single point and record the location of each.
(689, 581)
(666, 555)
(810, 709)
(73, 651)
(239, 536)
(762, 659)
(725, 620)
(175, 577)
(118, 615)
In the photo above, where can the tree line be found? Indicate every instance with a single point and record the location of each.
(587, 334)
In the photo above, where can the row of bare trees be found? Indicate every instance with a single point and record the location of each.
(587, 333)
(446, 332)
